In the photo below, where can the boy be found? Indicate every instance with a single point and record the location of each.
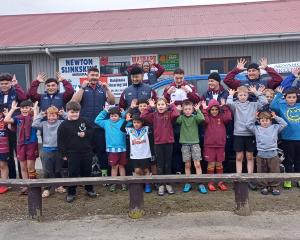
(27, 142)
(50, 157)
(115, 142)
(269, 94)
(216, 117)
(289, 110)
(267, 160)
(4, 148)
(189, 138)
(243, 111)
(74, 145)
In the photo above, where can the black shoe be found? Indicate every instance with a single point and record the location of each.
(91, 194)
(70, 198)
(252, 186)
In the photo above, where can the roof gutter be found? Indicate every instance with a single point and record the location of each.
(152, 44)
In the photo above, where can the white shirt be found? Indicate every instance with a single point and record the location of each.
(139, 143)
(180, 94)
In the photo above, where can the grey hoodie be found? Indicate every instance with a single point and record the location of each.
(244, 113)
(49, 130)
(266, 138)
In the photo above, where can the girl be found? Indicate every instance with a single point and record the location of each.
(162, 121)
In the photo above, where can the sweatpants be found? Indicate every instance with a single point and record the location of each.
(80, 165)
(268, 165)
(291, 150)
(52, 165)
(164, 158)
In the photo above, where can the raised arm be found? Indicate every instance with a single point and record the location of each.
(275, 103)
(282, 123)
(160, 69)
(147, 115)
(101, 119)
(230, 80)
(226, 114)
(77, 97)
(8, 118)
(69, 90)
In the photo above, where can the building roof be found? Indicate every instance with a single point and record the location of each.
(170, 26)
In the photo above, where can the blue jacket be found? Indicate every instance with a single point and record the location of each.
(12, 96)
(114, 137)
(151, 78)
(92, 102)
(47, 101)
(208, 95)
(287, 83)
(291, 114)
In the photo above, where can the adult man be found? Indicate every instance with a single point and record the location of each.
(253, 75)
(180, 90)
(92, 97)
(11, 91)
(138, 90)
(52, 96)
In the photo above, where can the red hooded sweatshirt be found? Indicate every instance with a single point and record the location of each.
(162, 124)
(215, 130)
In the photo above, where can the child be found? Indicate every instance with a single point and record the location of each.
(289, 110)
(27, 142)
(74, 137)
(243, 111)
(140, 153)
(269, 94)
(115, 142)
(50, 157)
(216, 117)
(267, 160)
(4, 148)
(162, 121)
(189, 138)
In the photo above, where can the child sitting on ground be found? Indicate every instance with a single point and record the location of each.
(115, 142)
(189, 138)
(289, 110)
(162, 121)
(27, 142)
(74, 137)
(4, 148)
(243, 111)
(216, 117)
(267, 160)
(50, 157)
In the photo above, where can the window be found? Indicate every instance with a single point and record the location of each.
(22, 70)
(221, 65)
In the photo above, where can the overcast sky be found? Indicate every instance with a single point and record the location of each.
(13, 7)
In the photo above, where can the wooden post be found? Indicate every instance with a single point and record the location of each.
(35, 202)
(136, 200)
(242, 198)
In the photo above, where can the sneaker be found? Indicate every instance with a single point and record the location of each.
(264, 191)
(104, 172)
(148, 188)
(161, 190)
(170, 189)
(112, 188)
(187, 187)
(3, 189)
(124, 187)
(91, 194)
(70, 198)
(287, 184)
(252, 186)
(202, 189)
(222, 186)
(60, 189)
(275, 192)
(211, 186)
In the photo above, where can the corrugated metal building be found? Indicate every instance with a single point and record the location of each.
(203, 37)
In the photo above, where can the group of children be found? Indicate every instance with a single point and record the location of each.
(149, 145)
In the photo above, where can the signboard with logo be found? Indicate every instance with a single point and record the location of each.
(169, 61)
(285, 67)
(142, 58)
(74, 69)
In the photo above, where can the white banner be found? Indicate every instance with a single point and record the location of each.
(75, 68)
(145, 57)
(285, 67)
(117, 84)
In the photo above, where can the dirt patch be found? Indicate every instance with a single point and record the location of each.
(14, 207)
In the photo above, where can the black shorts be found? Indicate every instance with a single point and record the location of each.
(4, 157)
(141, 163)
(244, 143)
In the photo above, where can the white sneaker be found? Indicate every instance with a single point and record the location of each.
(170, 189)
(161, 190)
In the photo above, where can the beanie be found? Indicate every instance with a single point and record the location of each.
(215, 76)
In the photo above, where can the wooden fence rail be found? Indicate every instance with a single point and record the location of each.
(136, 187)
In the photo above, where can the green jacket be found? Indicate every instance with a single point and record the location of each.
(189, 128)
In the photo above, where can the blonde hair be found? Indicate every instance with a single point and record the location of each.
(265, 115)
(242, 89)
(269, 90)
(52, 109)
(162, 99)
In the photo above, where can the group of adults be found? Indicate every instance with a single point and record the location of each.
(93, 95)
